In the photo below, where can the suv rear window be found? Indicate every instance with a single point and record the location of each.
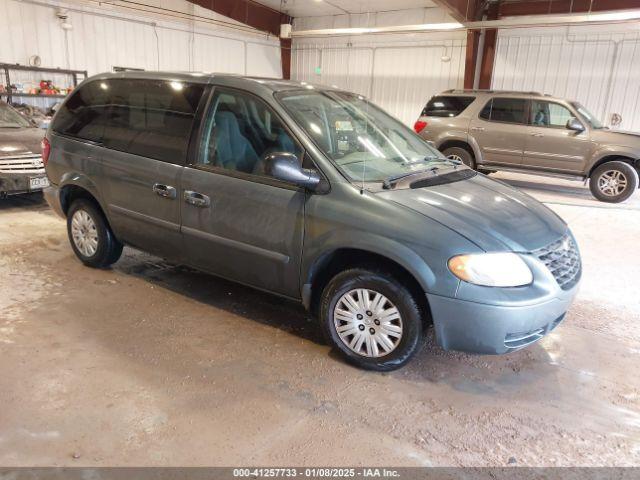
(504, 109)
(150, 118)
(446, 106)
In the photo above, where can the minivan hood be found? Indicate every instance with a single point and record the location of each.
(617, 137)
(491, 214)
(20, 141)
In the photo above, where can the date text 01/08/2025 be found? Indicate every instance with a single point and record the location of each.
(316, 472)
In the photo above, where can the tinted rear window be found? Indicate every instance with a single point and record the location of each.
(447, 106)
(151, 118)
(507, 110)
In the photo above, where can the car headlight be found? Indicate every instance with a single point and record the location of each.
(491, 269)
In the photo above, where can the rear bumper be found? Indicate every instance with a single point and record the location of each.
(52, 196)
(16, 183)
(495, 329)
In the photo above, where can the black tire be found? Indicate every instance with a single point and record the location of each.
(461, 153)
(398, 294)
(625, 171)
(109, 249)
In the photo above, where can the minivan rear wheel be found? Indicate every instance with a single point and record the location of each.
(613, 182)
(371, 319)
(461, 155)
(90, 236)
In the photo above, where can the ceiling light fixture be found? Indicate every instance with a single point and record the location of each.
(426, 27)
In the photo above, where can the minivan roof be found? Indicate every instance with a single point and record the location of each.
(227, 79)
(472, 91)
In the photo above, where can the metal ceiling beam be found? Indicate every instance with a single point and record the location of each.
(461, 10)
(545, 7)
(248, 12)
(594, 18)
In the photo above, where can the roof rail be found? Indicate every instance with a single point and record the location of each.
(480, 90)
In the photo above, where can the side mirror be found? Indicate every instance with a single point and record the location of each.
(286, 167)
(575, 125)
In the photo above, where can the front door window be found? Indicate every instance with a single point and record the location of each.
(549, 114)
(240, 132)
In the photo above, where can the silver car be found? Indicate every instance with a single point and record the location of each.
(530, 132)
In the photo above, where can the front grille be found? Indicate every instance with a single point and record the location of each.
(563, 261)
(27, 163)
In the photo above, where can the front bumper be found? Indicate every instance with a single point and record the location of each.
(475, 327)
(16, 183)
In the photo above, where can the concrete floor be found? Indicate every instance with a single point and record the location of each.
(154, 364)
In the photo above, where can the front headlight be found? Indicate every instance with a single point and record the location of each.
(491, 269)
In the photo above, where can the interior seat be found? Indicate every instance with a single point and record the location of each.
(233, 150)
(541, 118)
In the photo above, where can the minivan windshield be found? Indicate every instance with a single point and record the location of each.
(9, 118)
(365, 143)
(588, 116)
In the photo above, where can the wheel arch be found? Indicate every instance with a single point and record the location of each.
(456, 143)
(74, 186)
(468, 143)
(338, 259)
(635, 163)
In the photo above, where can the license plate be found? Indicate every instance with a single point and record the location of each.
(37, 183)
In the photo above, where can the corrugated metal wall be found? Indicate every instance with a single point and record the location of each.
(104, 38)
(597, 66)
(398, 77)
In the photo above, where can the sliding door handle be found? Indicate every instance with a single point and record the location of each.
(165, 191)
(196, 199)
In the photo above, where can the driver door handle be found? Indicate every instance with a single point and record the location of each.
(165, 191)
(196, 199)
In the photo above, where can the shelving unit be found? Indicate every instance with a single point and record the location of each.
(8, 67)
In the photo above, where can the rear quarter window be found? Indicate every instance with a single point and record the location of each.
(150, 118)
(447, 106)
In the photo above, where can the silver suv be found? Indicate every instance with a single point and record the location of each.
(530, 132)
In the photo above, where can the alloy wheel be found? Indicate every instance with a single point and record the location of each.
(612, 183)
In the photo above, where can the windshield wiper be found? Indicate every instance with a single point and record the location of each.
(391, 181)
(442, 160)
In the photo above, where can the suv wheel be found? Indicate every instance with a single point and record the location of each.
(91, 237)
(613, 182)
(371, 319)
(461, 155)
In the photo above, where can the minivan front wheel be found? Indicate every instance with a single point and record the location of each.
(613, 182)
(90, 236)
(371, 319)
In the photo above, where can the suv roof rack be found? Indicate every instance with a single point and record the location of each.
(479, 90)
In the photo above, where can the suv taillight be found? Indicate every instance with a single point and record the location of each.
(46, 150)
(419, 126)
